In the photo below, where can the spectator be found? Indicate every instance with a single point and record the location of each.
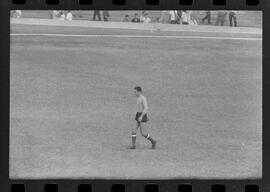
(185, 17)
(106, 15)
(69, 16)
(232, 18)
(207, 17)
(136, 18)
(55, 14)
(96, 14)
(173, 17)
(62, 15)
(16, 13)
(126, 19)
(179, 16)
(147, 19)
(221, 17)
(142, 17)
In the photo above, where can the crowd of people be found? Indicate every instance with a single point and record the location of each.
(16, 13)
(61, 15)
(189, 18)
(67, 15)
(221, 18)
(176, 17)
(180, 17)
(144, 18)
(184, 17)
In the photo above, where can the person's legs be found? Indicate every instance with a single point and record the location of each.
(209, 18)
(94, 16)
(235, 21)
(145, 134)
(134, 135)
(231, 19)
(205, 17)
(99, 16)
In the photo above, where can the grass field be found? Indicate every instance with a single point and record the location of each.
(72, 104)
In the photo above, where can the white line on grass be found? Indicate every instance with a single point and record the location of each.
(138, 36)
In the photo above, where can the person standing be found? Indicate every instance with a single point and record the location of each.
(179, 16)
(232, 18)
(140, 118)
(207, 17)
(173, 17)
(96, 14)
(185, 17)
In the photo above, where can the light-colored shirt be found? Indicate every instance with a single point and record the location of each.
(147, 20)
(172, 15)
(69, 16)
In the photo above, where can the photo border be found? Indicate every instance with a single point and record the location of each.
(69, 185)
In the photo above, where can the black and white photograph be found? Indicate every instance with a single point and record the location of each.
(135, 94)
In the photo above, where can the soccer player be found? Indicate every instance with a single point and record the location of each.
(141, 117)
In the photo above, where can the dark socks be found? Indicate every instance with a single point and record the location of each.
(147, 136)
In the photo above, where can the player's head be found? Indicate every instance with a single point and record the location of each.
(137, 91)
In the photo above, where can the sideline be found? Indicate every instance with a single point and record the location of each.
(138, 26)
(138, 36)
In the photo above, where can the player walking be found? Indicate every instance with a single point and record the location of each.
(141, 117)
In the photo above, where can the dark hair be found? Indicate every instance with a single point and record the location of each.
(139, 89)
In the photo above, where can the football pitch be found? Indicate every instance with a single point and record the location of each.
(72, 105)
